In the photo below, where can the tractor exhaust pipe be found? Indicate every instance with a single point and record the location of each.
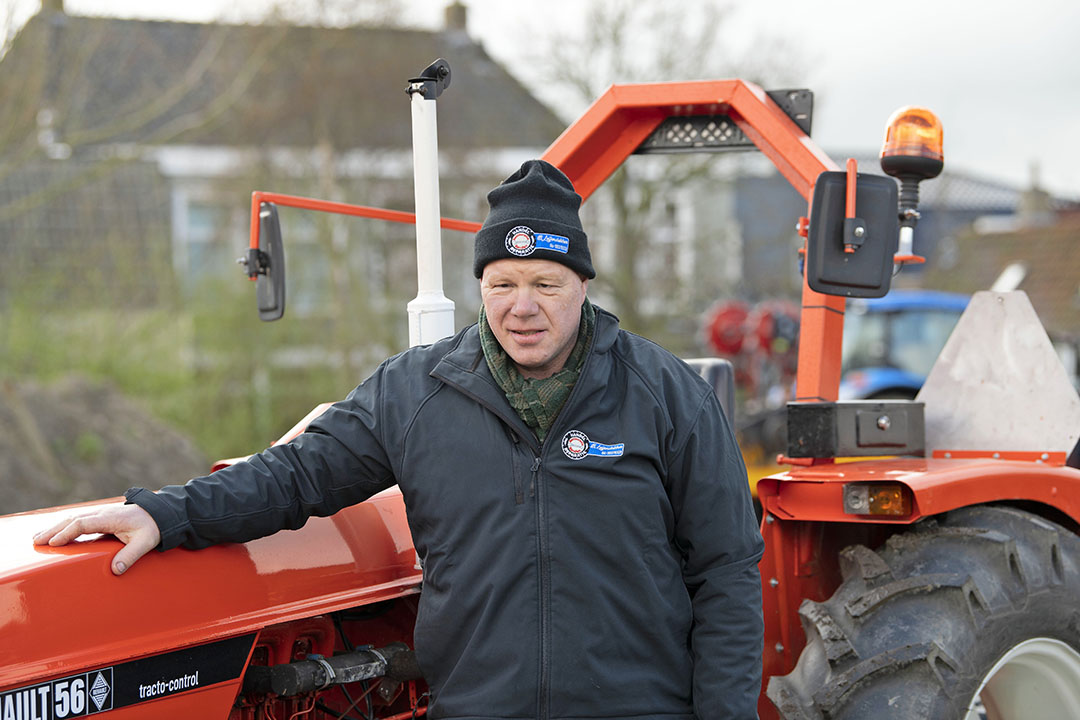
(431, 313)
(395, 662)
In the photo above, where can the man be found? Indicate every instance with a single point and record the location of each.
(574, 492)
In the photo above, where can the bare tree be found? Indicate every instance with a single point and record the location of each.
(88, 106)
(45, 112)
(625, 41)
(87, 279)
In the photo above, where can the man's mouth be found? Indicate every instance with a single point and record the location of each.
(525, 334)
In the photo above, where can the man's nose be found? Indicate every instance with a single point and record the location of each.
(524, 302)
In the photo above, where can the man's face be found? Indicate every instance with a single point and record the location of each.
(533, 307)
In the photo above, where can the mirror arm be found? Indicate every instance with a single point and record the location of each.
(255, 262)
(854, 227)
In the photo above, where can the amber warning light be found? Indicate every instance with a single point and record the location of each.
(877, 499)
(913, 144)
(912, 152)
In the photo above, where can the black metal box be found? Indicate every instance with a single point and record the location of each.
(854, 428)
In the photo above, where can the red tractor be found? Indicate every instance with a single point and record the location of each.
(936, 576)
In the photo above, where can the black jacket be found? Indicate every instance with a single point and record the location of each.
(610, 572)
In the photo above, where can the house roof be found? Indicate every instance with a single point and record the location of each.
(113, 81)
(1049, 254)
(954, 189)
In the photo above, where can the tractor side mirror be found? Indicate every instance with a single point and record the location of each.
(849, 251)
(270, 265)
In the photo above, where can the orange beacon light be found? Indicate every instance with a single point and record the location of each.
(912, 152)
(913, 144)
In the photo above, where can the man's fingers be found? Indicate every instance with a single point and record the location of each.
(74, 528)
(129, 523)
(45, 536)
(137, 546)
(70, 528)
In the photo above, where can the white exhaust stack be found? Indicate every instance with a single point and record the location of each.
(431, 313)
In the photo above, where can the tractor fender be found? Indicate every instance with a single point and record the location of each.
(975, 611)
(815, 493)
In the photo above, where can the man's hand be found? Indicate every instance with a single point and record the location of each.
(129, 523)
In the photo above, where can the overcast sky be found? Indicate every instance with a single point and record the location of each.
(1003, 76)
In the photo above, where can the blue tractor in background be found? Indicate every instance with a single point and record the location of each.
(890, 343)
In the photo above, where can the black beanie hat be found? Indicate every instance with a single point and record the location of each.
(534, 215)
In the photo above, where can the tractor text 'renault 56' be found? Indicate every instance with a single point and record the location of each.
(938, 576)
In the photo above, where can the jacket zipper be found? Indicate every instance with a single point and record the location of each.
(544, 691)
(519, 492)
(544, 571)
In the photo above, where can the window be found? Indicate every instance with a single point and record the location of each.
(211, 252)
(917, 337)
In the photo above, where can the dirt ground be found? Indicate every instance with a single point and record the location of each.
(77, 440)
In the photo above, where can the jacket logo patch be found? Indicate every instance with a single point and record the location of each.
(522, 241)
(576, 445)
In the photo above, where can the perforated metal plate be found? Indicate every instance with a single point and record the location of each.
(719, 133)
(697, 133)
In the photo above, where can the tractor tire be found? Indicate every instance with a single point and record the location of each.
(973, 615)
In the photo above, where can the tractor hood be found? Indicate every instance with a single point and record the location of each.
(62, 609)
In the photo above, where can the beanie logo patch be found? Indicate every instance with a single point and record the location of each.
(522, 241)
(556, 243)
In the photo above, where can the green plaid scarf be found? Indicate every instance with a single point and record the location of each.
(538, 401)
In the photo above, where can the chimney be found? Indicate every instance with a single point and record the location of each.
(52, 5)
(456, 16)
(1036, 207)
